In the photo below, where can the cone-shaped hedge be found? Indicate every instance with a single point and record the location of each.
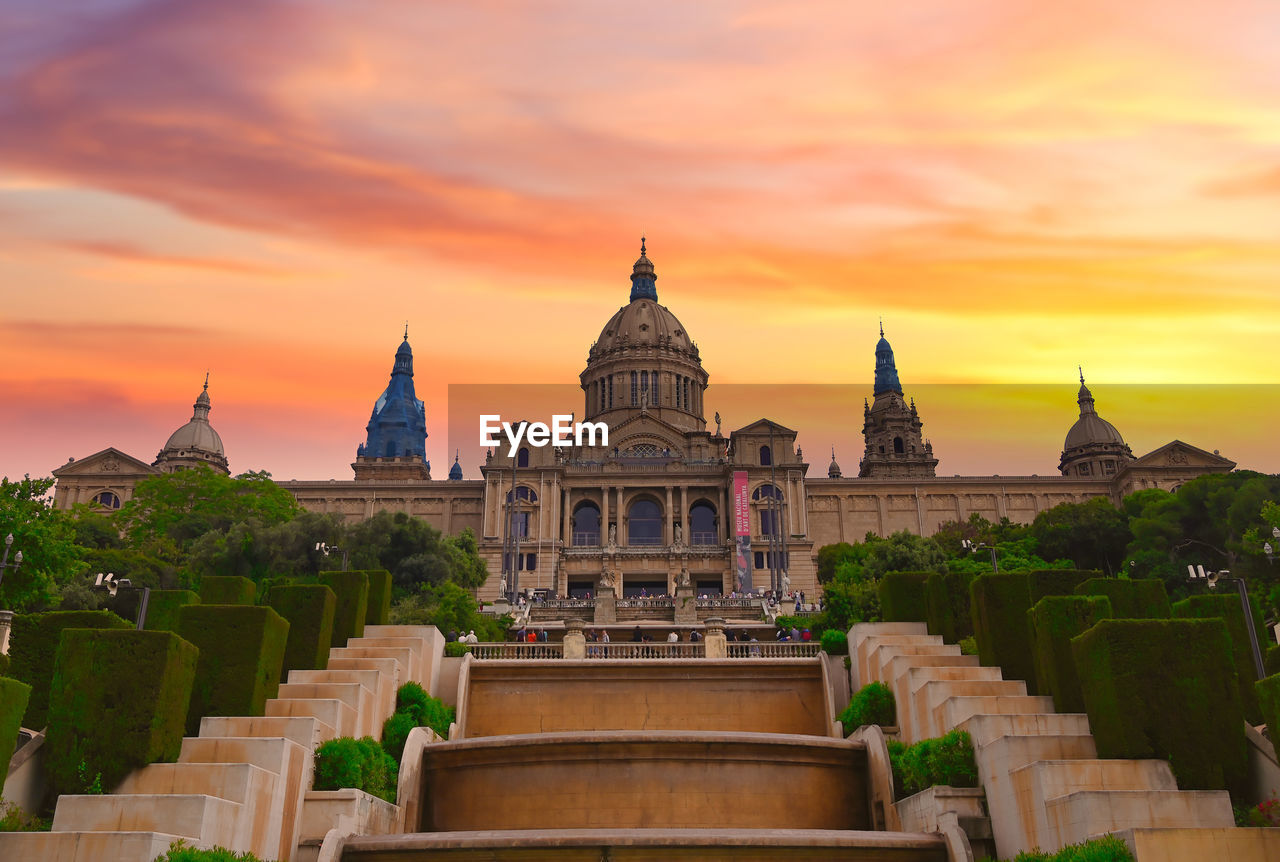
(241, 652)
(119, 702)
(1165, 688)
(33, 649)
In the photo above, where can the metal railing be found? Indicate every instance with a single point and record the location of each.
(736, 604)
(773, 649)
(517, 650)
(702, 539)
(586, 540)
(642, 602)
(646, 541)
(566, 604)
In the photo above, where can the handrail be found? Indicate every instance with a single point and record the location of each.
(773, 649)
(657, 649)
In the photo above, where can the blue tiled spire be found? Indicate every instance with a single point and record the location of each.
(643, 278)
(398, 426)
(886, 372)
(455, 472)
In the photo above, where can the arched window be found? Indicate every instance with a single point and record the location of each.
(702, 524)
(108, 500)
(766, 456)
(524, 493)
(766, 491)
(522, 457)
(644, 523)
(586, 525)
(897, 446)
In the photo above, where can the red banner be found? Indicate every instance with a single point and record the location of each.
(742, 530)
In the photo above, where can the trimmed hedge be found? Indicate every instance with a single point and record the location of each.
(1268, 698)
(352, 590)
(834, 642)
(999, 605)
(1058, 582)
(359, 763)
(946, 599)
(241, 652)
(13, 703)
(1145, 599)
(902, 597)
(872, 704)
(1227, 608)
(378, 611)
(227, 590)
(1054, 621)
(119, 702)
(162, 609)
(33, 649)
(946, 760)
(1165, 689)
(1271, 660)
(309, 609)
(414, 708)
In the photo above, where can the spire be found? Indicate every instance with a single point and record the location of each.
(406, 330)
(886, 371)
(202, 404)
(404, 356)
(1085, 397)
(833, 471)
(643, 277)
(455, 472)
(882, 327)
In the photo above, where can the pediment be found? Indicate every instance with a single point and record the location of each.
(109, 462)
(647, 428)
(1179, 454)
(764, 427)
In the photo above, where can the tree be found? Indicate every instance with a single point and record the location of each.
(1092, 534)
(903, 552)
(46, 538)
(448, 607)
(849, 597)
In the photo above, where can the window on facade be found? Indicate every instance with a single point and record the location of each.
(1084, 469)
(898, 448)
(611, 391)
(522, 457)
(586, 525)
(759, 559)
(679, 400)
(764, 492)
(685, 386)
(644, 523)
(702, 524)
(1108, 466)
(768, 522)
(520, 525)
(635, 389)
(656, 391)
(766, 456)
(530, 562)
(524, 493)
(108, 500)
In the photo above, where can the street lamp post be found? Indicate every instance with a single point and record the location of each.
(973, 547)
(333, 549)
(1197, 574)
(5, 565)
(108, 583)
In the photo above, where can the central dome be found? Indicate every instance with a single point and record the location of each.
(644, 358)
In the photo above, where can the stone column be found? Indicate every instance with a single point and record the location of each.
(575, 642)
(671, 515)
(717, 646)
(606, 610)
(622, 533)
(604, 515)
(684, 513)
(723, 519)
(686, 605)
(567, 514)
(6, 622)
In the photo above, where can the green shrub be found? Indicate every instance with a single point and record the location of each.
(357, 763)
(378, 610)
(14, 819)
(946, 599)
(4, 664)
(999, 605)
(13, 703)
(455, 649)
(352, 590)
(162, 609)
(119, 702)
(241, 652)
(969, 646)
(1271, 660)
(1144, 599)
(1054, 621)
(33, 648)
(835, 642)
(395, 730)
(413, 699)
(309, 609)
(871, 704)
(902, 597)
(180, 852)
(946, 760)
(1227, 608)
(1108, 848)
(1165, 688)
(1057, 582)
(227, 590)
(1268, 701)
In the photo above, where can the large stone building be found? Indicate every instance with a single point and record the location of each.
(656, 503)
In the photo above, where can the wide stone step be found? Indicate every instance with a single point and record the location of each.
(1220, 844)
(930, 696)
(84, 846)
(238, 782)
(403, 657)
(956, 709)
(986, 728)
(307, 730)
(363, 701)
(381, 684)
(1084, 814)
(417, 661)
(208, 820)
(919, 722)
(880, 658)
(331, 711)
(272, 753)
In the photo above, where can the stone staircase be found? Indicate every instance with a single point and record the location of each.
(1044, 783)
(245, 781)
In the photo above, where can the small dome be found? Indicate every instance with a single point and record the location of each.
(833, 471)
(196, 434)
(455, 472)
(1091, 429)
(642, 323)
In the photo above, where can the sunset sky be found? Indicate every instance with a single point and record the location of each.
(269, 190)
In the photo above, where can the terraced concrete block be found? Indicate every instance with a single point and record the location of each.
(208, 820)
(1082, 815)
(415, 646)
(1196, 845)
(933, 693)
(83, 846)
(983, 729)
(921, 724)
(354, 695)
(954, 710)
(379, 684)
(305, 729)
(332, 712)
